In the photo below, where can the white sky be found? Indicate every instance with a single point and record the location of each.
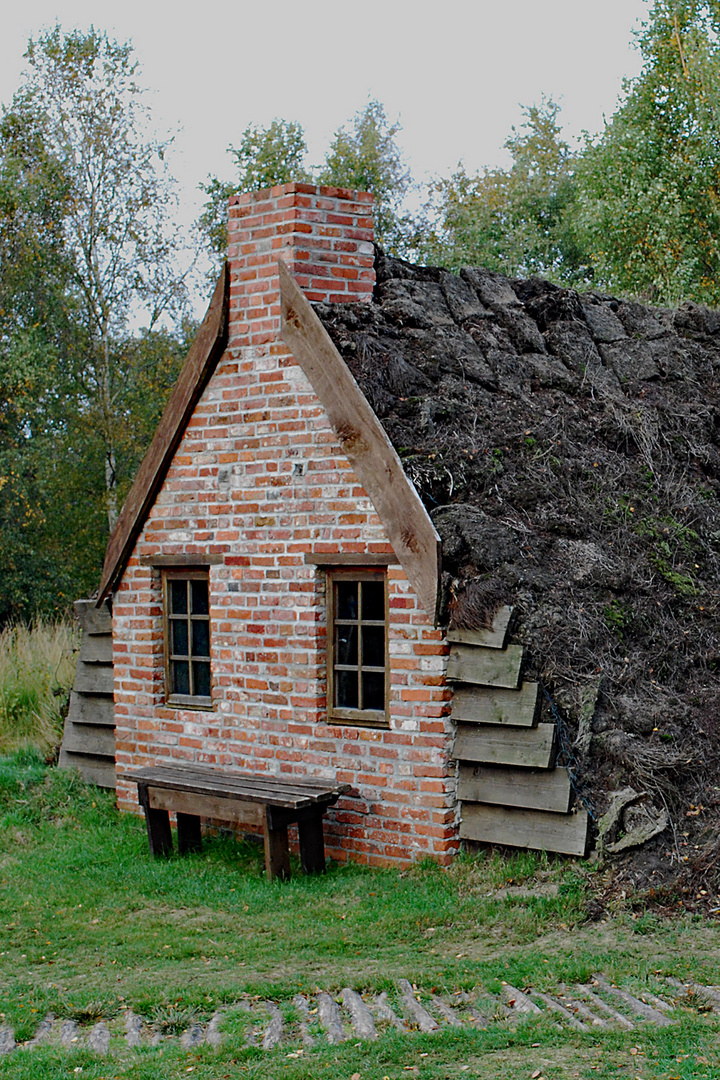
(455, 75)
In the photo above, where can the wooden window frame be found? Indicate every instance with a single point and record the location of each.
(336, 714)
(178, 573)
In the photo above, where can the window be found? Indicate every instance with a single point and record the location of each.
(357, 647)
(187, 637)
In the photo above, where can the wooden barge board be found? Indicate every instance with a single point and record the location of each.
(490, 705)
(486, 667)
(545, 789)
(494, 638)
(533, 829)
(532, 748)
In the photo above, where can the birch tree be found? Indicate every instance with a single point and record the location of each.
(81, 96)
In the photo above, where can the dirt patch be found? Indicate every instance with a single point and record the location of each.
(568, 449)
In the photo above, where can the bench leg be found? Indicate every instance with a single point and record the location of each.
(277, 854)
(158, 825)
(189, 835)
(312, 844)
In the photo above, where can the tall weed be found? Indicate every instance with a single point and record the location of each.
(37, 665)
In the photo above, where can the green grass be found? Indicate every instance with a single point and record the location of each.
(90, 925)
(37, 665)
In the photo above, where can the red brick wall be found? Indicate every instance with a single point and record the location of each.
(259, 479)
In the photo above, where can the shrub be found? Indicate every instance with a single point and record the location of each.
(37, 665)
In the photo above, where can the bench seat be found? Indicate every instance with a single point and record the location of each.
(193, 792)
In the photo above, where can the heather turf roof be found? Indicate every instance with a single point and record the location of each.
(567, 448)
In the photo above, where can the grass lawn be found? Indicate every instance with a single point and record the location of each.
(90, 926)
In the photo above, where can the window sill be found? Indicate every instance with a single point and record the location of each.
(358, 718)
(182, 701)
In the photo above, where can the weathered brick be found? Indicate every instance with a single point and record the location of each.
(259, 419)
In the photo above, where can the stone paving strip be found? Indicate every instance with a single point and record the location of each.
(333, 1018)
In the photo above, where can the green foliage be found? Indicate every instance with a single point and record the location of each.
(86, 242)
(269, 156)
(365, 156)
(648, 208)
(618, 617)
(265, 157)
(511, 220)
(675, 549)
(37, 665)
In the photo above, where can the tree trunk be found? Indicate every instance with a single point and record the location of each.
(110, 470)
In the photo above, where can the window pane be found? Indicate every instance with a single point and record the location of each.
(373, 689)
(179, 637)
(178, 597)
(200, 637)
(347, 603)
(346, 650)
(180, 676)
(201, 678)
(199, 590)
(346, 689)
(373, 642)
(373, 600)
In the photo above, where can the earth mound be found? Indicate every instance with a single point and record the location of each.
(567, 447)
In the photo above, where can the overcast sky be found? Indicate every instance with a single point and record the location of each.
(455, 76)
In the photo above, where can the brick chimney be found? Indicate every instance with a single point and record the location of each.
(323, 234)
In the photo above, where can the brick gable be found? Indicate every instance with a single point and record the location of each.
(258, 481)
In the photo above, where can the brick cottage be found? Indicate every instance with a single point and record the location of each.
(274, 576)
(260, 506)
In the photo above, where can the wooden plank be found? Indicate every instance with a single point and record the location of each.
(489, 705)
(233, 782)
(93, 619)
(202, 359)
(93, 678)
(252, 787)
(531, 748)
(536, 830)
(91, 709)
(409, 528)
(93, 769)
(486, 667)
(349, 558)
(206, 806)
(494, 638)
(189, 833)
(88, 739)
(96, 648)
(277, 853)
(157, 822)
(183, 559)
(546, 789)
(312, 843)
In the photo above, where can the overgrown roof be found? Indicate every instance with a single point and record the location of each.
(566, 447)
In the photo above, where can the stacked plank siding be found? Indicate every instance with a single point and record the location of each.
(89, 736)
(509, 786)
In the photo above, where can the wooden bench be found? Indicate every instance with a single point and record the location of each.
(194, 792)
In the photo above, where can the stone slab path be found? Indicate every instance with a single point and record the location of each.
(331, 1018)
